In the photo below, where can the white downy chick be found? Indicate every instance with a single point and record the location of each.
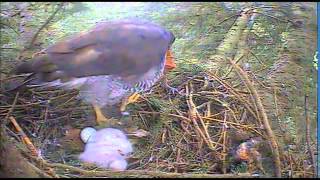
(107, 148)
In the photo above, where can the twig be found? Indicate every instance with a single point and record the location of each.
(173, 115)
(208, 118)
(12, 107)
(224, 150)
(231, 90)
(10, 28)
(141, 173)
(193, 116)
(274, 145)
(235, 124)
(276, 108)
(44, 25)
(231, 68)
(39, 171)
(276, 18)
(259, 60)
(49, 171)
(25, 139)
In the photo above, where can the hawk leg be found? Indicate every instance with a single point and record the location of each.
(128, 100)
(168, 88)
(100, 118)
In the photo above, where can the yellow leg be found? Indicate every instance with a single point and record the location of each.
(100, 118)
(131, 99)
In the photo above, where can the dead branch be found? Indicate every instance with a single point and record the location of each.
(25, 139)
(193, 117)
(142, 173)
(44, 25)
(272, 138)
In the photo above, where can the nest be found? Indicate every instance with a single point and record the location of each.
(208, 129)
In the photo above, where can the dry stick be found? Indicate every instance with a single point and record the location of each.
(23, 105)
(12, 107)
(208, 118)
(39, 171)
(274, 146)
(224, 150)
(49, 171)
(201, 120)
(25, 139)
(230, 69)
(193, 116)
(178, 159)
(1, 23)
(232, 91)
(139, 173)
(28, 164)
(226, 106)
(205, 129)
(308, 134)
(173, 115)
(255, 106)
(235, 124)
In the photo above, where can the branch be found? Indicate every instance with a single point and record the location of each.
(1, 23)
(140, 173)
(11, 108)
(193, 117)
(44, 25)
(265, 121)
(25, 139)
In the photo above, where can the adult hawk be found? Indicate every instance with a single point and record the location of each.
(107, 64)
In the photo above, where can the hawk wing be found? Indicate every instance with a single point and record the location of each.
(124, 48)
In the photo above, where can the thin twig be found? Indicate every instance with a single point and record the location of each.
(10, 28)
(45, 24)
(193, 116)
(224, 150)
(232, 91)
(12, 107)
(39, 171)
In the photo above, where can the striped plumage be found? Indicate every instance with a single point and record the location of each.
(107, 63)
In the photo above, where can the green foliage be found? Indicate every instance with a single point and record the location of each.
(240, 168)
(20, 21)
(157, 104)
(290, 125)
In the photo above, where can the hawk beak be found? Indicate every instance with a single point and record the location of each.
(169, 64)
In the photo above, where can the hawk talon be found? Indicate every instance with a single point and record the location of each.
(172, 90)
